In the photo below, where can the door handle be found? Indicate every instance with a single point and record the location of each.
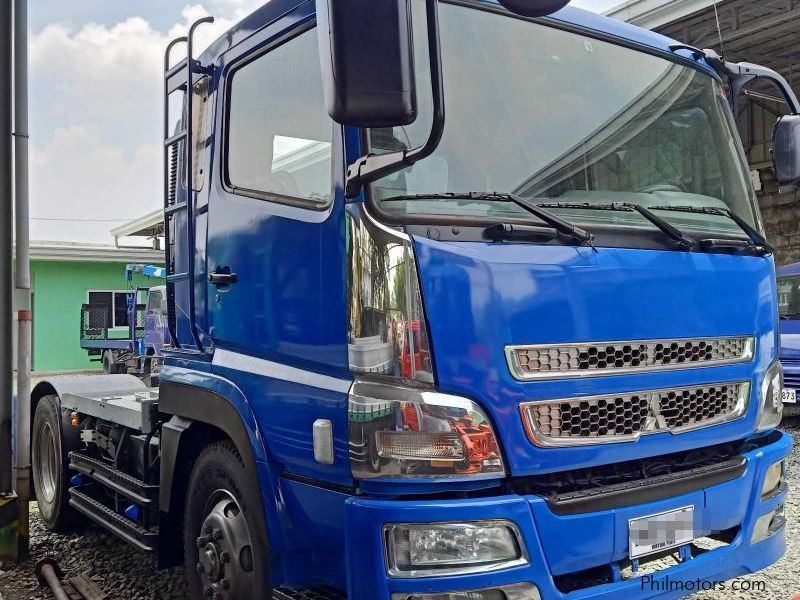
(222, 279)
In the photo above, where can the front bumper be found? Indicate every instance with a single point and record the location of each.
(561, 545)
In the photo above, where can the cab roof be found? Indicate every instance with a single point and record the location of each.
(601, 25)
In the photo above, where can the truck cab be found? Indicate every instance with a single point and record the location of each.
(418, 357)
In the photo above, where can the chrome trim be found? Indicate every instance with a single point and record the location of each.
(520, 374)
(655, 420)
(386, 326)
(393, 571)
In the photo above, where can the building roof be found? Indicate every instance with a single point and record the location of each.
(652, 14)
(80, 252)
(150, 225)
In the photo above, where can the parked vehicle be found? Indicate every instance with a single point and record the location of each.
(789, 312)
(135, 348)
(518, 353)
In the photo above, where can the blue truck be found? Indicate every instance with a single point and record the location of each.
(789, 312)
(135, 348)
(466, 299)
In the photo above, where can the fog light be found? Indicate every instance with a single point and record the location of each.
(773, 479)
(522, 591)
(768, 525)
(436, 549)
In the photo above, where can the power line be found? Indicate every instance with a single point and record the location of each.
(77, 220)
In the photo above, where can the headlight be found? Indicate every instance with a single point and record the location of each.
(437, 549)
(770, 407)
(407, 432)
(773, 478)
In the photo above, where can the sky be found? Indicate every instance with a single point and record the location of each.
(96, 107)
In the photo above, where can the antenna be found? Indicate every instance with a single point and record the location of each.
(719, 32)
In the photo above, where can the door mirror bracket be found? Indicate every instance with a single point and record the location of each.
(372, 167)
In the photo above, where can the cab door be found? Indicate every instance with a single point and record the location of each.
(275, 251)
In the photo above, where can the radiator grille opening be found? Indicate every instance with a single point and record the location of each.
(625, 417)
(578, 360)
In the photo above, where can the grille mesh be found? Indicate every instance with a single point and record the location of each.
(571, 360)
(625, 417)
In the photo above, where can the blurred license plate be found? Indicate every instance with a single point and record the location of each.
(649, 535)
(789, 396)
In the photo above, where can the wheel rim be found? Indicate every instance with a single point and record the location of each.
(46, 462)
(225, 553)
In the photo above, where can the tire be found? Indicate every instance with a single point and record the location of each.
(224, 534)
(108, 362)
(49, 465)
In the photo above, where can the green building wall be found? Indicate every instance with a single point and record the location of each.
(59, 290)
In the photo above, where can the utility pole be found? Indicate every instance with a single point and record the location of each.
(22, 278)
(8, 502)
(6, 237)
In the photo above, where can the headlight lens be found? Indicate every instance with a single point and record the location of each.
(436, 549)
(770, 408)
(407, 432)
(773, 478)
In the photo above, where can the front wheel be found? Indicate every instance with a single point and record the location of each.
(224, 534)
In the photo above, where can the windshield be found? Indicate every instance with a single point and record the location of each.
(789, 297)
(565, 119)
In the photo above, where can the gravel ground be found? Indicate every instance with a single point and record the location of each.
(120, 571)
(125, 574)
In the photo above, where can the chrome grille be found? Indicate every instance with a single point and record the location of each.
(625, 417)
(552, 361)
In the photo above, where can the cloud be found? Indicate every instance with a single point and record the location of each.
(96, 119)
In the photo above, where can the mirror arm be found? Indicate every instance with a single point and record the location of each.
(742, 74)
(372, 167)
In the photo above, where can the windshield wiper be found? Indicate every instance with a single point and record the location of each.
(561, 225)
(672, 232)
(758, 242)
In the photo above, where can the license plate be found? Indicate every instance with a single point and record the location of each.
(654, 533)
(789, 396)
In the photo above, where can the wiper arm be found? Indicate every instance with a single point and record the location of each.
(683, 240)
(758, 241)
(675, 234)
(561, 225)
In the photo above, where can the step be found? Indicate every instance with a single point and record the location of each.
(136, 535)
(323, 593)
(134, 489)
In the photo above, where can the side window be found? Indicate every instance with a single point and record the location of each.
(279, 133)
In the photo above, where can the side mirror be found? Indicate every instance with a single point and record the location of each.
(367, 57)
(534, 8)
(786, 151)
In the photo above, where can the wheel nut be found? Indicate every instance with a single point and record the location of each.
(217, 534)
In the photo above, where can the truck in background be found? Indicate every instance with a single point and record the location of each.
(521, 352)
(137, 348)
(789, 312)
